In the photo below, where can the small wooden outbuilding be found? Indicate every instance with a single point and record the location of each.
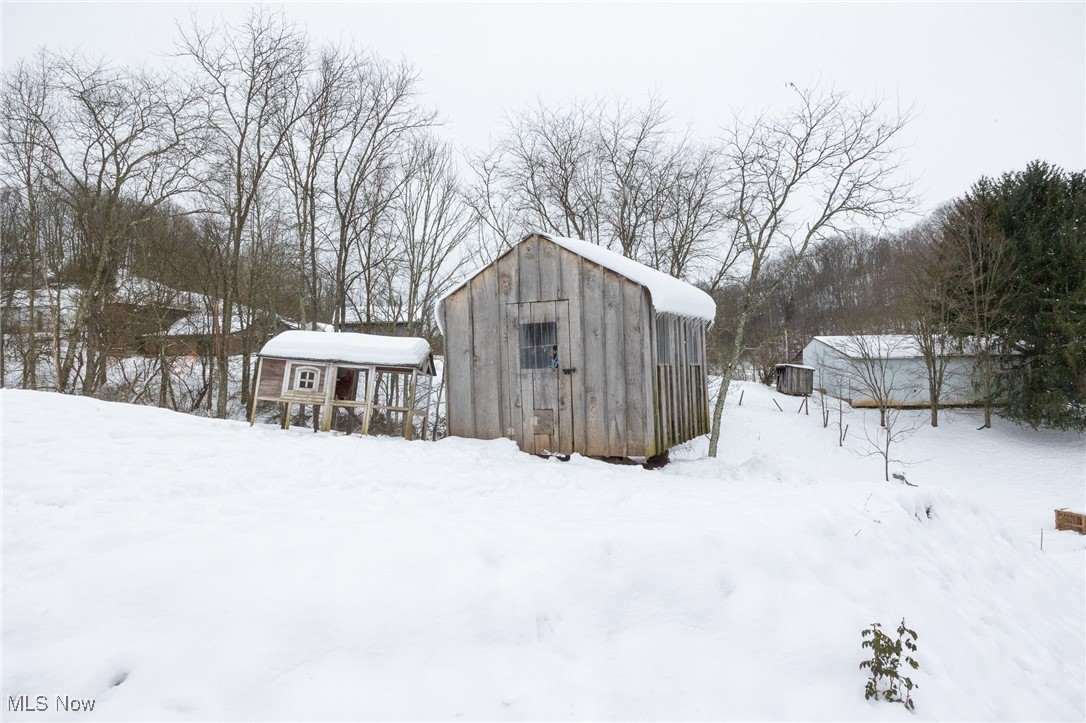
(795, 379)
(373, 380)
(564, 346)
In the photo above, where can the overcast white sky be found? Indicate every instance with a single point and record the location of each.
(994, 84)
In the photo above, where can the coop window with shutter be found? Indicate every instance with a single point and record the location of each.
(305, 378)
(539, 345)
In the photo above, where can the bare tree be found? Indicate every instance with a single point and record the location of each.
(875, 374)
(637, 160)
(367, 176)
(896, 426)
(432, 225)
(496, 219)
(122, 145)
(608, 172)
(796, 179)
(688, 215)
(305, 173)
(253, 74)
(981, 275)
(873, 370)
(925, 281)
(27, 110)
(554, 170)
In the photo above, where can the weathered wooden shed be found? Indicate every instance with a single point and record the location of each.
(564, 346)
(372, 380)
(795, 379)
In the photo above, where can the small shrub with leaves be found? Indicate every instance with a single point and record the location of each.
(887, 654)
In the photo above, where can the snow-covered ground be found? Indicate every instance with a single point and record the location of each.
(171, 567)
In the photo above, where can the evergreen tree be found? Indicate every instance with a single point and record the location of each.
(1037, 217)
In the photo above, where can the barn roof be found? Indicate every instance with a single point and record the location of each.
(884, 346)
(348, 347)
(669, 295)
(891, 346)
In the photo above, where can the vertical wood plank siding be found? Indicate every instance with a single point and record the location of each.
(570, 286)
(620, 401)
(485, 352)
(458, 366)
(682, 382)
(613, 365)
(794, 380)
(271, 377)
(637, 407)
(592, 371)
(508, 345)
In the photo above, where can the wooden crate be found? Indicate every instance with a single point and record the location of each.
(1067, 520)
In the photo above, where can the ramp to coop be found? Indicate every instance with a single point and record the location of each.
(1067, 520)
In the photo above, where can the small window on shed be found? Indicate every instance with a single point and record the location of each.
(539, 345)
(305, 378)
(694, 353)
(663, 341)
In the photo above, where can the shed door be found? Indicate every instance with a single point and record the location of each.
(541, 376)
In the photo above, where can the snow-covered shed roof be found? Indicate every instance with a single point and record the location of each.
(669, 295)
(349, 347)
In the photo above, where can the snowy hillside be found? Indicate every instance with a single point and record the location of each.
(174, 568)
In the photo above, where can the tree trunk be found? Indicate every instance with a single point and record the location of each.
(221, 358)
(245, 375)
(54, 323)
(726, 376)
(164, 378)
(886, 458)
(30, 368)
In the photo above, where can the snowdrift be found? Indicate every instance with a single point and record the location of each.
(176, 568)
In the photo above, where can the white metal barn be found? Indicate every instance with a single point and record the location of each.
(837, 361)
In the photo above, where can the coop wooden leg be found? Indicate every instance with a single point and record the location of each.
(368, 409)
(409, 417)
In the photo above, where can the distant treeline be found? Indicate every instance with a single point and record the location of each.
(276, 181)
